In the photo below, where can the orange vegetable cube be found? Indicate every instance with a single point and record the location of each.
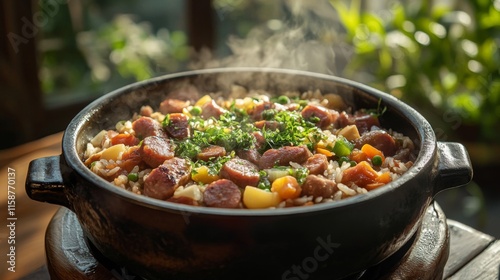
(286, 187)
(362, 174)
(371, 151)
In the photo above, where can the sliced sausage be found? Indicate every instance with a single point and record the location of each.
(318, 186)
(260, 141)
(325, 116)
(212, 109)
(240, 171)
(344, 120)
(127, 139)
(146, 126)
(256, 112)
(364, 123)
(222, 193)
(163, 180)
(172, 105)
(131, 158)
(252, 155)
(178, 126)
(317, 164)
(155, 150)
(211, 152)
(283, 156)
(380, 140)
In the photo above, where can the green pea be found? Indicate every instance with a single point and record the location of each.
(377, 160)
(195, 111)
(283, 99)
(134, 177)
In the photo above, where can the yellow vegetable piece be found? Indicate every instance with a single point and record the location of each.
(350, 132)
(203, 176)
(203, 100)
(255, 198)
(113, 152)
(324, 151)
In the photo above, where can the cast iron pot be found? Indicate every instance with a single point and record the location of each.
(163, 240)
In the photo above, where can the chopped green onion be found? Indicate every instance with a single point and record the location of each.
(377, 160)
(134, 177)
(342, 147)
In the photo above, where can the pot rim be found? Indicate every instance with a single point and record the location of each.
(422, 126)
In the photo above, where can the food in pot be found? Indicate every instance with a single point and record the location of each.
(251, 152)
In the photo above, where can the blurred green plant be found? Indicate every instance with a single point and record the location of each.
(132, 49)
(434, 56)
(106, 55)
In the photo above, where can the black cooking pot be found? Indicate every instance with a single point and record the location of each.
(163, 240)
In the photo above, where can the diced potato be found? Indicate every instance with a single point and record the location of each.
(255, 198)
(335, 101)
(203, 100)
(275, 173)
(350, 132)
(192, 192)
(97, 140)
(114, 152)
(203, 176)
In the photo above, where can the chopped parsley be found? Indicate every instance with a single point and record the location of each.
(295, 131)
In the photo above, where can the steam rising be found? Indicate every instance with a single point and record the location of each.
(305, 40)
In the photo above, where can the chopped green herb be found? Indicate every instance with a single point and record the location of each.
(342, 147)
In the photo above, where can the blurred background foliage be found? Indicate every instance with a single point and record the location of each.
(441, 56)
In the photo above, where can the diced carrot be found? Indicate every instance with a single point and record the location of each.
(371, 151)
(384, 178)
(373, 186)
(358, 156)
(324, 152)
(381, 180)
(361, 174)
(286, 187)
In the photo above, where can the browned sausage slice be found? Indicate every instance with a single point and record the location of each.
(241, 172)
(211, 152)
(177, 126)
(155, 150)
(380, 140)
(146, 126)
(172, 105)
(212, 109)
(222, 193)
(163, 180)
(325, 116)
(317, 164)
(283, 156)
(364, 123)
(318, 186)
(252, 155)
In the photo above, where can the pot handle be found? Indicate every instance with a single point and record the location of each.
(454, 167)
(44, 181)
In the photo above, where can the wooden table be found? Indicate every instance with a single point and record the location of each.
(473, 255)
